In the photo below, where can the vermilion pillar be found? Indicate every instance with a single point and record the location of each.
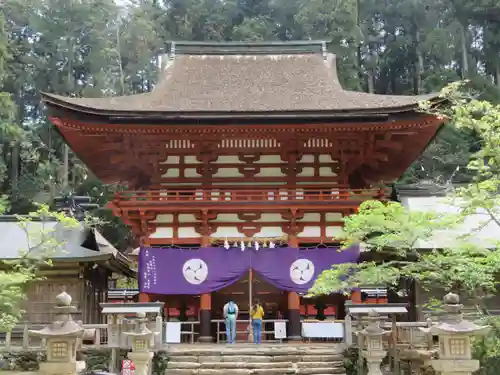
(356, 296)
(206, 317)
(205, 299)
(144, 297)
(294, 328)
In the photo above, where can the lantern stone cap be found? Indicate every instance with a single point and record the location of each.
(64, 325)
(453, 321)
(60, 329)
(143, 330)
(63, 299)
(451, 299)
(63, 304)
(373, 328)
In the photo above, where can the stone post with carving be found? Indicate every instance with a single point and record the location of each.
(373, 338)
(62, 338)
(455, 333)
(142, 345)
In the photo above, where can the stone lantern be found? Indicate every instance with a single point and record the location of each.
(141, 354)
(62, 338)
(373, 343)
(455, 355)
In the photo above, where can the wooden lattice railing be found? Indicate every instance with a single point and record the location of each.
(267, 195)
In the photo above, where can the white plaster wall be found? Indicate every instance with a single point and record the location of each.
(176, 184)
(191, 172)
(325, 158)
(231, 218)
(310, 232)
(311, 217)
(228, 172)
(228, 159)
(163, 233)
(270, 218)
(270, 232)
(188, 232)
(306, 158)
(187, 218)
(333, 232)
(333, 216)
(172, 159)
(326, 172)
(191, 159)
(251, 183)
(172, 173)
(270, 172)
(164, 218)
(230, 232)
(270, 159)
(306, 172)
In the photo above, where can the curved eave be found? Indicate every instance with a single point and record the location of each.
(56, 102)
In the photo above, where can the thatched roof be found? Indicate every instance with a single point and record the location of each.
(244, 78)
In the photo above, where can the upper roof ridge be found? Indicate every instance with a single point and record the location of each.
(246, 48)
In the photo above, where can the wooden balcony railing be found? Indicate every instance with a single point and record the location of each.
(269, 195)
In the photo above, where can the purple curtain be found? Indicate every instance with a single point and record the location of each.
(176, 271)
(296, 270)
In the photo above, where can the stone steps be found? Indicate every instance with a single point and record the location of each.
(231, 372)
(257, 358)
(264, 359)
(320, 364)
(226, 365)
(281, 371)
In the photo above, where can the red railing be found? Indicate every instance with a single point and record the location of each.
(269, 195)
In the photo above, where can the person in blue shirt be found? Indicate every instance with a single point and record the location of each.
(230, 315)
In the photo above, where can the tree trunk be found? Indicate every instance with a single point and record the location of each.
(66, 167)
(496, 73)
(16, 147)
(419, 62)
(15, 156)
(465, 51)
(119, 58)
(370, 80)
(359, 54)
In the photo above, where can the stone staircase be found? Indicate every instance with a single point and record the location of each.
(247, 359)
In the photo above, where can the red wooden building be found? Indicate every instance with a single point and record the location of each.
(244, 142)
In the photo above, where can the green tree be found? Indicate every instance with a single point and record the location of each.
(395, 234)
(16, 275)
(103, 48)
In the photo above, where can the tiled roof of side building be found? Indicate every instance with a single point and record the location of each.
(477, 228)
(248, 78)
(49, 238)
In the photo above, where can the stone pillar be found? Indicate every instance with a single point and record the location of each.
(206, 318)
(142, 362)
(141, 354)
(373, 348)
(294, 324)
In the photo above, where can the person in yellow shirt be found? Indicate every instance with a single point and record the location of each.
(257, 313)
